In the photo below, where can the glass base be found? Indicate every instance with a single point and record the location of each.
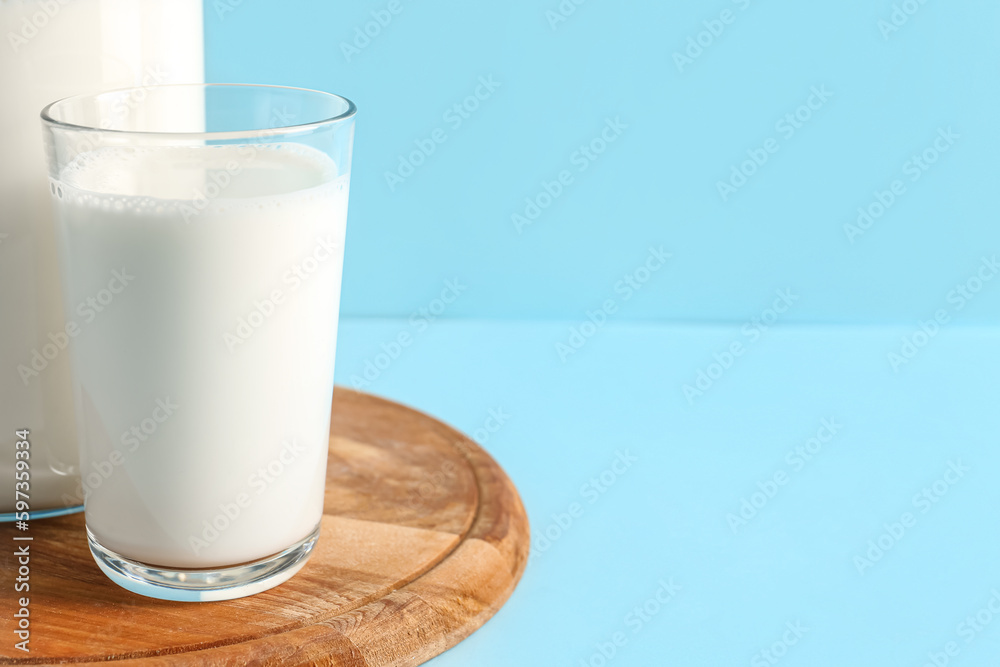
(203, 585)
(42, 514)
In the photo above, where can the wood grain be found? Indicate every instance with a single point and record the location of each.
(423, 539)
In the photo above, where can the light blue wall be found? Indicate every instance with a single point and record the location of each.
(656, 184)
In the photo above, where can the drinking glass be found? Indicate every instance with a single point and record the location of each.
(202, 228)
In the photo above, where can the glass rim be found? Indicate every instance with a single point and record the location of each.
(349, 113)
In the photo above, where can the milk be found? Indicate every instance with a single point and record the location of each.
(205, 384)
(51, 49)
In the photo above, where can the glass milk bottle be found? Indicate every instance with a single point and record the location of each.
(51, 49)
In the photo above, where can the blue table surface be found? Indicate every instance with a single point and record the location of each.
(869, 531)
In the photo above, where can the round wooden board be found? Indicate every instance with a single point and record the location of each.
(423, 539)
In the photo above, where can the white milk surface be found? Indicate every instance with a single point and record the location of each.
(50, 50)
(204, 386)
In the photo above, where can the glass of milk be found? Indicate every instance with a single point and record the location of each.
(50, 49)
(205, 226)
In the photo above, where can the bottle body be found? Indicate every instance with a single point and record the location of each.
(52, 49)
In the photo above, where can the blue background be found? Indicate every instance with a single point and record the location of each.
(657, 182)
(905, 418)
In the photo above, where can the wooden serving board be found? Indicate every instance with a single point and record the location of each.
(423, 539)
